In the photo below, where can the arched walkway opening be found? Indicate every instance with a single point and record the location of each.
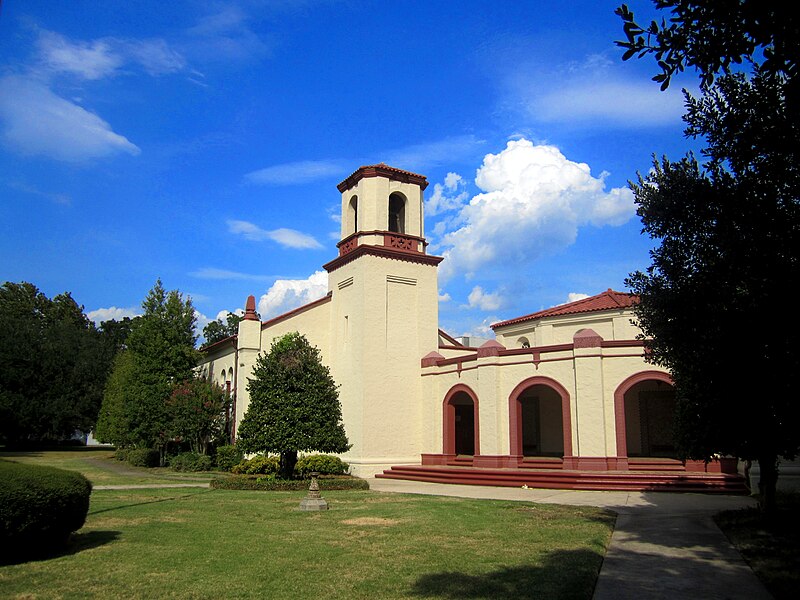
(461, 422)
(646, 404)
(542, 426)
(540, 423)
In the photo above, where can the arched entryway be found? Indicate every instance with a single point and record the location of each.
(539, 419)
(461, 432)
(645, 407)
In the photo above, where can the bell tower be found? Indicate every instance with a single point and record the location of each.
(384, 314)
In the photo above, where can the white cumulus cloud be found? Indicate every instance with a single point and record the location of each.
(112, 313)
(484, 300)
(446, 196)
(532, 203)
(287, 294)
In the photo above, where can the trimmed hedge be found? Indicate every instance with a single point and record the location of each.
(324, 464)
(191, 462)
(258, 465)
(273, 484)
(143, 457)
(228, 457)
(40, 507)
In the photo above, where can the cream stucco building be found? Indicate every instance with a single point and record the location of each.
(559, 393)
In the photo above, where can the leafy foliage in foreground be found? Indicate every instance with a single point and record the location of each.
(39, 507)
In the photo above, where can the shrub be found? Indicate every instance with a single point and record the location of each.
(144, 457)
(191, 462)
(121, 454)
(324, 464)
(258, 465)
(273, 484)
(40, 507)
(228, 457)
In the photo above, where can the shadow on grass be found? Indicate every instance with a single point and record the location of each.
(156, 501)
(561, 574)
(78, 542)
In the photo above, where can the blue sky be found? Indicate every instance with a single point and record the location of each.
(201, 143)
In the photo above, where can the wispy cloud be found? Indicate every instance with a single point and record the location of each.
(595, 92)
(38, 122)
(434, 153)
(298, 172)
(416, 156)
(226, 35)
(26, 188)
(224, 274)
(289, 238)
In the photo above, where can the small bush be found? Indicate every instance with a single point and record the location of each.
(40, 507)
(324, 464)
(121, 454)
(273, 484)
(258, 465)
(144, 457)
(228, 457)
(191, 462)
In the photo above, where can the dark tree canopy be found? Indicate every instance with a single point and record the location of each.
(728, 229)
(217, 330)
(714, 36)
(294, 404)
(53, 364)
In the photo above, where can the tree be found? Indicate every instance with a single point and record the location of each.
(113, 426)
(217, 330)
(728, 230)
(53, 364)
(199, 410)
(161, 353)
(294, 404)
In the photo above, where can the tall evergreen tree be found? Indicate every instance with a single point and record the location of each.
(294, 404)
(160, 354)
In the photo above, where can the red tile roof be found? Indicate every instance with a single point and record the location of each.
(608, 300)
(383, 170)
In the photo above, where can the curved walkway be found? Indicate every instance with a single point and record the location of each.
(664, 545)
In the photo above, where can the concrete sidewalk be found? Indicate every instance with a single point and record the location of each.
(664, 545)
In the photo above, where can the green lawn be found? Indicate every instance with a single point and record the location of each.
(203, 543)
(100, 467)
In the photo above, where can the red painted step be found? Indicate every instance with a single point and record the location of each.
(578, 480)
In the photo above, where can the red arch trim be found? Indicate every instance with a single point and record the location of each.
(449, 419)
(619, 404)
(515, 413)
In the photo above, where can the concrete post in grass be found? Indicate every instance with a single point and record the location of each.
(314, 501)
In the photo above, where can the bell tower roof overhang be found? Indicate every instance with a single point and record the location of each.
(383, 170)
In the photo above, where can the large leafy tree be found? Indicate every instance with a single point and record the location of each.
(160, 354)
(200, 413)
(53, 364)
(294, 404)
(217, 330)
(728, 229)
